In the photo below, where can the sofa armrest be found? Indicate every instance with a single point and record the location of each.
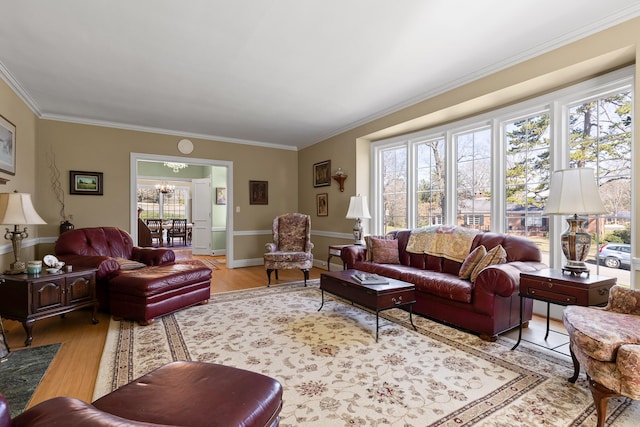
(70, 412)
(153, 256)
(502, 280)
(105, 265)
(352, 254)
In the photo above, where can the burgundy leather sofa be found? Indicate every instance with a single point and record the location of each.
(487, 307)
(133, 282)
(190, 394)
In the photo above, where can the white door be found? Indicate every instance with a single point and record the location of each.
(201, 209)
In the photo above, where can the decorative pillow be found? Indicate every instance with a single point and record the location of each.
(471, 261)
(497, 255)
(385, 251)
(127, 264)
(367, 242)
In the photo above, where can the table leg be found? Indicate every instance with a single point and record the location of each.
(377, 317)
(322, 293)
(329, 263)
(28, 328)
(519, 327)
(548, 312)
(411, 317)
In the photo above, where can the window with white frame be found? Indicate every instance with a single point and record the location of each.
(473, 183)
(430, 174)
(492, 171)
(527, 172)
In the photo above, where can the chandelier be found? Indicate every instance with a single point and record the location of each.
(165, 188)
(176, 166)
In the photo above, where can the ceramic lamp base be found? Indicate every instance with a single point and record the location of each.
(575, 245)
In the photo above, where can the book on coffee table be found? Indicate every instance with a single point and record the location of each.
(370, 279)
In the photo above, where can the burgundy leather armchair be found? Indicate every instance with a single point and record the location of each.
(133, 282)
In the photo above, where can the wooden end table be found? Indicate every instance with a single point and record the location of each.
(28, 298)
(335, 250)
(394, 294)
(557, 287)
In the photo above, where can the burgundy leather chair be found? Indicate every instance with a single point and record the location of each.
(133, 282)
(190, 394)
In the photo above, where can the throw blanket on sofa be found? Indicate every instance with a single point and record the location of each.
(449, 242)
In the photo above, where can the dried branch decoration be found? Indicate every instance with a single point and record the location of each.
(56, 185)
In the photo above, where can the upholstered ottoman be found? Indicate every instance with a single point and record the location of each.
(198, 394)
(151, 292)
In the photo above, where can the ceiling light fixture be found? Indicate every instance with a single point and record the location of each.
(177, 167)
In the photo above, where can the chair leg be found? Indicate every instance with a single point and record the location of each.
(576, 366)
(269, 270)
(306, 276)
(601, 396)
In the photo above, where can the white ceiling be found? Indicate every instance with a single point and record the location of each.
(285, 73)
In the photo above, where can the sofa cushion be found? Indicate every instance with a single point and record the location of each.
(443, 285)
(384, 251)
(128, 264)
(496, 255)
(471, 261)
(368, 241)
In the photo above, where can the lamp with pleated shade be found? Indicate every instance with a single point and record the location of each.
(574, 192)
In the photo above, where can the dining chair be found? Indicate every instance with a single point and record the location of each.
(155, 227)
(178, 229)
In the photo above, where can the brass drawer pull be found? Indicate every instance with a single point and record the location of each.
(398, 301)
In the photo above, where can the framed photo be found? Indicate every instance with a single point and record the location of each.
(258, 192)
(221, 196)
(7, 146)
(322, 174)
(322, 204)
(88, 183)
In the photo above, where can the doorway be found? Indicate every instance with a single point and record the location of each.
(226, 210)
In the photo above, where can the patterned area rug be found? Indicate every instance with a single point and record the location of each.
(21, 373)
(334, 373)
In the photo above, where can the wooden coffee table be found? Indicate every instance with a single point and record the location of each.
(375, 297)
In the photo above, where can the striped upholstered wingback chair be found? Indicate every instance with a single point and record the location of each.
(606, 342)
(291, 246)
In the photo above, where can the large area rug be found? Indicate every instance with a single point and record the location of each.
(22, 372)
(334, 373)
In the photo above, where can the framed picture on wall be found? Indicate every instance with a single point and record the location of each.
(221, 196)
(86, 183)
(7, 146)
(322, 204)
(322, 174)
(258, 192)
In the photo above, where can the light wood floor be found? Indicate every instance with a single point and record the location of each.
(73, 371)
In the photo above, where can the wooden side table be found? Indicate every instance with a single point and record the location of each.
(556, 287)
(28, 298)
(335, 250)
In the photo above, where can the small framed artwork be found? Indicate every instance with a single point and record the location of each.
(7, 146)
(87, 183)
(322, 174)
(258, 192)
(221, 196)
(322, 204)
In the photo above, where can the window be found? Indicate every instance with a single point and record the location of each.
(156, 204)
(474, 177)
(430, 174)
(527, 147)
(394, 183)
(492, 172)
(599, 137)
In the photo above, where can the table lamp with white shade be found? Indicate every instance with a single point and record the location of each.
(358, 210)
(574, 192)
(15, 209)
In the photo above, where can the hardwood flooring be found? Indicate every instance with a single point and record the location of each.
(74, 369)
